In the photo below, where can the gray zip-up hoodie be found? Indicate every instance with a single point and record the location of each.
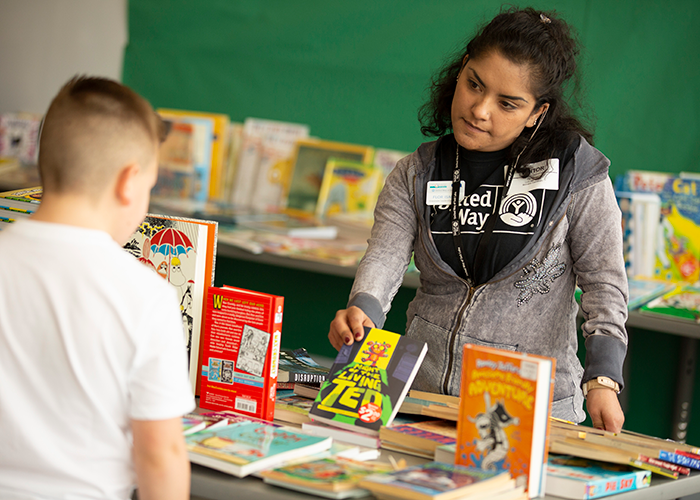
(529, 305)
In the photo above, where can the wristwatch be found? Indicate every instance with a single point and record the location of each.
(600, 382)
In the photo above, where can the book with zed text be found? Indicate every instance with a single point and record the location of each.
(240, 351)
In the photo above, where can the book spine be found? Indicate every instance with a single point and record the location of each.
(663, 471)
(306, 378)
(665, 465)
(276, 313)
(676, 458)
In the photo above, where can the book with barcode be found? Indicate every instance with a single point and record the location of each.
(240, 351)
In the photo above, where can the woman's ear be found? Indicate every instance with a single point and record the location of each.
(538, 116)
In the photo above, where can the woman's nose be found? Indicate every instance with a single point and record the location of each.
(480, 109)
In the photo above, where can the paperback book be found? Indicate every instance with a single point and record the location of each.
(350, 189)
(368, 382)
(293, 409)
(681, 303)
(503, 424)
(341, 435)
(298, 367)
(183, 252)
(240, 351)
(437, 481)
(642, 291)
(582, 479)
(419, 438)
(195, 422)
(328, 477)
(243, 448)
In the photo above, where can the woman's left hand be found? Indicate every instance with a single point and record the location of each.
(604, 410)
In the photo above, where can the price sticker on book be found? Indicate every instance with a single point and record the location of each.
(370, 412)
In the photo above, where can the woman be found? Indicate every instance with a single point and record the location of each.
(505, 215)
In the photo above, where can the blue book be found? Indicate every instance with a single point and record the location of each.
(243, 448)
(583, 479)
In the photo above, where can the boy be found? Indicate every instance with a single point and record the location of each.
(93, 377)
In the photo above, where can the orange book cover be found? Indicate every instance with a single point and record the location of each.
(505, 402)
(240, 351)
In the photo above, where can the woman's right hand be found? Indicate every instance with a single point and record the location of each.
(348, 326)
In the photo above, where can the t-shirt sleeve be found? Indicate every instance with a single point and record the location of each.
(159, 385)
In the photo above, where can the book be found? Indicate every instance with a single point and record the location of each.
(368, 381)
(641, 214)
(328, 477)
(293, 409)
(219, 146)
(307, 390)
(185, 164)
(297, 366)
(643, 290)
(682, 303)
(642, 181)
(349, 188)
(183, 252)
(307, 167)
(195, 422)
(240, 351)
(262, 167)
(437, 481)
(582, 479)
(190, 425)
(421, 437)
(293, 227)
(342, 435)
(505, 401)
(243, 448)
(678, 253)
(445, 453)
(386, 160)
(19, 136)
(24, 195)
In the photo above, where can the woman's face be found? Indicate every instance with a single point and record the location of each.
(492, 103)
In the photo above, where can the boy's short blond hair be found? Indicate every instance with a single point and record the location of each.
(95, 126)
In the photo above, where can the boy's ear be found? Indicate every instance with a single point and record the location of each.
(125, 188)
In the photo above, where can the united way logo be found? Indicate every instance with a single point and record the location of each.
(519, 209)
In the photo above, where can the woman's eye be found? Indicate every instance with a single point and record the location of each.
(508, 105)
(473, 84)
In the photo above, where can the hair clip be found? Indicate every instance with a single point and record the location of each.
(545, 19)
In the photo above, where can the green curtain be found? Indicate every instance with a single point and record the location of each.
(358, 71)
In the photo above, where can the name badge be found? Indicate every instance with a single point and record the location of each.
(548, 173)
(440, 192)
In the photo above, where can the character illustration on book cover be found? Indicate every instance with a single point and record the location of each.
(253, 350)
(169, 249)
(493, 440)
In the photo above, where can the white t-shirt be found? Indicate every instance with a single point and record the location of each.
(89, 339)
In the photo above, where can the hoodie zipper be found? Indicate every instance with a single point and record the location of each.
(470, 292)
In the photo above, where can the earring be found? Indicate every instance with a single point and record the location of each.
(535, 124)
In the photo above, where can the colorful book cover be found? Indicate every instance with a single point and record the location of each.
(242, 448)
(643, 290)
(349, 188)
(240, 351)
(642, 181)
(327, 475)
(583, 479)
(678, 252)
(307, 169)
(434, 480)
(505, 402)
(219, 147)
(683, 303)
(264, 154)
(183, 179)
(183, 252)
(25, 195)
(425, 435)
(368, 381)
(297, 366)
(195, 422)
(19, 136)
(293, 409)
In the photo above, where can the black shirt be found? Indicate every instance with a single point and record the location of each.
(483, 173)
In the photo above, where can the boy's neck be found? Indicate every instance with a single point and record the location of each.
(76, 210)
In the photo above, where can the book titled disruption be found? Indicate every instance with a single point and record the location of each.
(368, 381)
(251, 446)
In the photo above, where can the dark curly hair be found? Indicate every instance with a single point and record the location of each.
(544, 43)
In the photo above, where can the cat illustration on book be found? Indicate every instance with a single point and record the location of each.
(493, 441)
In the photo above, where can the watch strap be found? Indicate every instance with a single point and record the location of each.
(600, 383)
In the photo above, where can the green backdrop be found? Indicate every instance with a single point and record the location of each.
(357, 72)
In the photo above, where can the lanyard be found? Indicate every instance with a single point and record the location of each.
(488, 228)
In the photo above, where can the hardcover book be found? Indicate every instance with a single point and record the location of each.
(183, 252)
(349, 188)
(240, 351)
(243, 448)
(582, 479)
(681, 303)
(368, 381)
(503, 424)
(437, 481)
(327, 477)
(297, 366)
